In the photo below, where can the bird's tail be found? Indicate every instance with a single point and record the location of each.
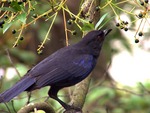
(19, 87)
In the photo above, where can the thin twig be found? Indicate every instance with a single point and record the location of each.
(125, 90)
(65, 26)
(107, 109)
(12, 102)
(12, 63)
(145, 89)
(7, 108)
(102, 79)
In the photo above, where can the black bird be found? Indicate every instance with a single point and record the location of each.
(65, 67)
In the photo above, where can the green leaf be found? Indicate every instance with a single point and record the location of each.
(105, 22)
(87, 27)
(22, 17)
(16, 6)
(100, 20)
(7, 9)
(6, 27)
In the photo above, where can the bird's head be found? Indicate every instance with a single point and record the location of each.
(95, 36)
(93, 41)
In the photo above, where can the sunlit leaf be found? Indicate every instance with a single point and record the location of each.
(100, 20)
(7, 9)
(6, 27)
(105, 22)
(22, 17)
(15, 6)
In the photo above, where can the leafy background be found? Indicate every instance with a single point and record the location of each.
(32, 20)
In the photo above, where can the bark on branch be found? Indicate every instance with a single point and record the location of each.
(38, 106)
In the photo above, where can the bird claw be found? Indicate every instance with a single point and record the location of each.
(72, 108)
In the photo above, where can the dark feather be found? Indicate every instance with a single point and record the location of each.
(17, 89)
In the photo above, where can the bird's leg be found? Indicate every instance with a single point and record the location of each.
(53, 94)
(29, 97)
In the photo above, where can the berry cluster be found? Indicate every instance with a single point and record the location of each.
(141, 16)
(122, 25)
(19, 1)
(145, 5)
(70, 22)
(16, 14)
(2, 23)
(139, 34)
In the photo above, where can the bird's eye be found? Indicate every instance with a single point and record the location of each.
(101, 34)
(98, 37)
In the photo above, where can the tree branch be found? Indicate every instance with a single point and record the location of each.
(38, 106)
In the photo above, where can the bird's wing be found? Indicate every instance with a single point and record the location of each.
(65, 72)
(48, 64)
(46, 73)
(81, 65)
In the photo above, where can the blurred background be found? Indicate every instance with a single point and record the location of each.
(120, 81)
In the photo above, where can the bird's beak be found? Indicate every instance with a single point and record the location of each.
(106, 31)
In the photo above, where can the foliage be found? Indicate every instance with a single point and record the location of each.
(18, 18)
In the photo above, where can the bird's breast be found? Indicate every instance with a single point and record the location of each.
(87, 62)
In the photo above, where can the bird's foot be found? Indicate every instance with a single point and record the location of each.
(46, 99)
(72, 109)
